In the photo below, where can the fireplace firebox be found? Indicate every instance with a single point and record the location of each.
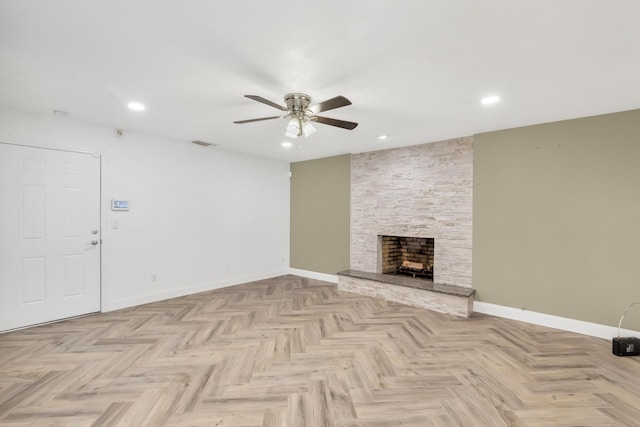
(410, 256)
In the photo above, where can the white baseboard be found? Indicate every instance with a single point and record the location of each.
(562, 323)
(331, 278)
(189, 290)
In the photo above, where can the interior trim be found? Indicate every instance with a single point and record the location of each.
(184, 291)
(557, 322)
(331, 278)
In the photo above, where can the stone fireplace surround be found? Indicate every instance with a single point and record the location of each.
(449, 299)
(422, 191)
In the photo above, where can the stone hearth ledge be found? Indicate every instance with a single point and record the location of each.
(448, 299)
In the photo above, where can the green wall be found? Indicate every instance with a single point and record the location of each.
(320, 208)
(556, 218)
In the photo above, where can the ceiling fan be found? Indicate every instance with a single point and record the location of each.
(302, 115)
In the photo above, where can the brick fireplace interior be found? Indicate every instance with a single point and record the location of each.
(411, 256)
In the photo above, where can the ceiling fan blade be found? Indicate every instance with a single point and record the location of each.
(259, 120)
(266, 101)
(334, 122)
(330, 104)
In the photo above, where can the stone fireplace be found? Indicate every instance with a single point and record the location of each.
(422, 193)
(410, 256)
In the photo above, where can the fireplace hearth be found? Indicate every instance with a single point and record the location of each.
(406, 255)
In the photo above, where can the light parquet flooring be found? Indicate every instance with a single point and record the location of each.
(294, 352)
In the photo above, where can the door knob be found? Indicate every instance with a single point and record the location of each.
(94, 242)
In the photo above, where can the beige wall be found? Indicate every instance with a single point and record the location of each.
(556, 218)
(320, 206)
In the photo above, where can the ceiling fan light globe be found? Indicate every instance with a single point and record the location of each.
(308, 129)
(293, 128)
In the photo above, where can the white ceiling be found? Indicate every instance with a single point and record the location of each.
(415, 70)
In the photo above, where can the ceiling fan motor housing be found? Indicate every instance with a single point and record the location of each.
(297, 103)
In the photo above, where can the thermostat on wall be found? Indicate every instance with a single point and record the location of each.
(119, 205)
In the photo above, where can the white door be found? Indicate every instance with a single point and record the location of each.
(49, 235)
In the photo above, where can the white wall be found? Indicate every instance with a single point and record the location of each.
(200, 218)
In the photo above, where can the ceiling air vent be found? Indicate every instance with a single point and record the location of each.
(204, 144)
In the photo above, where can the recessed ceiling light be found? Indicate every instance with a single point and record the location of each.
(136, 106)
(287, 144)
(490, 99)
(382, 137)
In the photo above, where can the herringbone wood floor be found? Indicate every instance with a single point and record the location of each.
(296, 352)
